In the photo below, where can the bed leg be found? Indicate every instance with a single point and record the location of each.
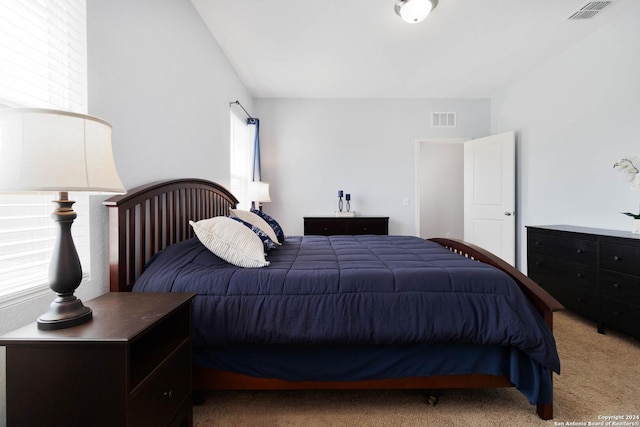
(197, 397)
(545, 410)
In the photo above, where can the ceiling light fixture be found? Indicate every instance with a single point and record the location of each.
(413, 11)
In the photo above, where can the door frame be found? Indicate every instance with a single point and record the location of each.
(418, 147)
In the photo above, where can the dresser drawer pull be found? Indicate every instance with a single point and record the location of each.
(617, 258)
(617, 313)
(168, 394)
(579, 251)
(579, 275)
(580, 299)
(616, 286)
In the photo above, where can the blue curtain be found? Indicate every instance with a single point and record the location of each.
(256, 147)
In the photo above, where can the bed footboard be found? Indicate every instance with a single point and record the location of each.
(541, 299)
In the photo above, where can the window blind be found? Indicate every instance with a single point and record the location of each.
(241, 166)
(43, 46)
(42, 64)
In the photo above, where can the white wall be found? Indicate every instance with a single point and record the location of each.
(162, 81)
(576, 115)
(311, 148)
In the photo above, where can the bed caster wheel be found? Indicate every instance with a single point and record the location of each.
(433, 397)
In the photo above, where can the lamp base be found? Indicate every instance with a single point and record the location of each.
(64, 312)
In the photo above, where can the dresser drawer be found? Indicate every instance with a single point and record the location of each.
(324, 228)
(545, 268)
(619, 286)
(621, 316)
(370, 226)
(563, 245)
(158, 400)
(622, 258)
(578, 300)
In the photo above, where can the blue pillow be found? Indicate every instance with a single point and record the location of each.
(266, 241)
(272, 223)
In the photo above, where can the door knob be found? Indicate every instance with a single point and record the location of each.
(508, 213)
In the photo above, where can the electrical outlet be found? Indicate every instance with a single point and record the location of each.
(405, 201)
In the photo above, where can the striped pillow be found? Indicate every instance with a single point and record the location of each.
(231, 241)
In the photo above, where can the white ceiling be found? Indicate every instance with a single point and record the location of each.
(362, 49)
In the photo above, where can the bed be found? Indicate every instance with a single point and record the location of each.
(336, 312)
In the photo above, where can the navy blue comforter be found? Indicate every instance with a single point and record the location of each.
(344, 290)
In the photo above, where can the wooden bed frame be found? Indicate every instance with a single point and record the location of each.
(151, 217)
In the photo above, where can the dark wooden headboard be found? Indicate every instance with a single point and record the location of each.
(151, 217)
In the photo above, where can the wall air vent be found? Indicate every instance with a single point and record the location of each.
(589, 10)
(443, 120)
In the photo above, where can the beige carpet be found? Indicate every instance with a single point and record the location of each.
(600, 377)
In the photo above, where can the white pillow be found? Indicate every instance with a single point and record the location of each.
(231, 240)
(254, 219)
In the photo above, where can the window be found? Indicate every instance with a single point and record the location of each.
(241, 160)
(43, 63)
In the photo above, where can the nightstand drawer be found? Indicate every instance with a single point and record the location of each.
(158, 399)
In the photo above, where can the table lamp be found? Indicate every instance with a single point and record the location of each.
(56, 151)
(258, 191)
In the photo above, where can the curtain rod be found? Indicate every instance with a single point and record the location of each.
(240, 105)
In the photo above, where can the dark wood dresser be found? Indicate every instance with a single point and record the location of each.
(593, 272)
(129, 366)
(328, 225)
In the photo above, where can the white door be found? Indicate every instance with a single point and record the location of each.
(489, 194)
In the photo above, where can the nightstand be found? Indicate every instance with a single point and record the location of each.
(326, 226)
(129, 366)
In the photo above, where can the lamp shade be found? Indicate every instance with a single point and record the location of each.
(259, 191)
(50, 150)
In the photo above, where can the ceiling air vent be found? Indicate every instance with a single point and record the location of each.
(589, 10)
(443, 120)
